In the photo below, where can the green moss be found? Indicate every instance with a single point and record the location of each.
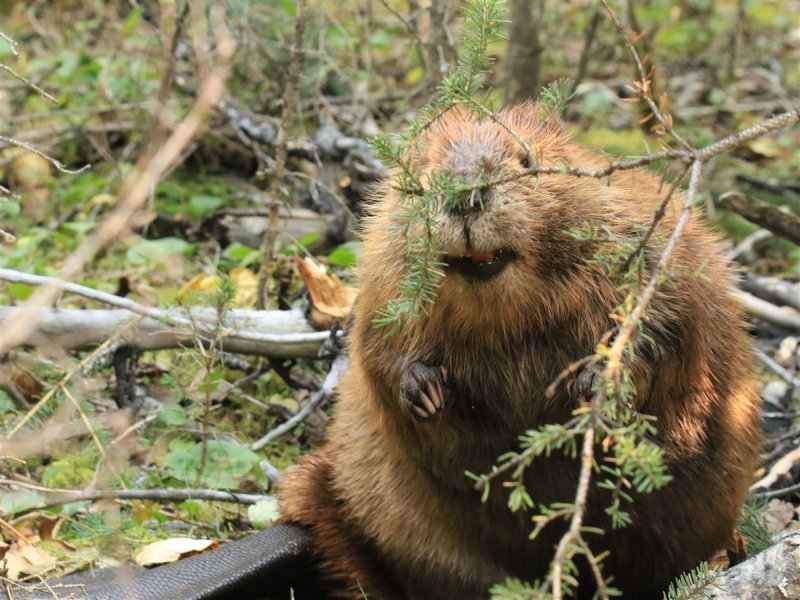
(74, 470)
(620, 142)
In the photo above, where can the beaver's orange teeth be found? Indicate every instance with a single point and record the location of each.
(481, 266)
(480, 257)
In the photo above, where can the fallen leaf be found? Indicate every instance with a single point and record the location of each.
(167, 551)
(779, 514)
(38, 525)
(200, 283)
(246, 283)
(26, 559)
(766, 147)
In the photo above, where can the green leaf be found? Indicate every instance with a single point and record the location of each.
(132, 22)
(69, 509)
(237, 251)
(344, 255)
(6, 403)
(156, 251)
(20, 291)
(15, 502)
(78, 227)
(173, 414)
(69, 62)
(263, 514)
(10, 209)
(200, 206)
(226, 463)
(301, 244)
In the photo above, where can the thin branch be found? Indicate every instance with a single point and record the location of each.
(564, 550)
(659, 214)
(28, 82)
(159, 495)
(610, 373)
(643, 88)
(63, 382)
(56, 163)
(780, 492)
(703, 154)
(11, 43)
(756, 131)
(288, 425)
(281, 153)
(632, 321)
(85, 419)
(588, 40)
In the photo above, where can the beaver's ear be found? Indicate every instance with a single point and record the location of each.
(530, 117)
(525, 115)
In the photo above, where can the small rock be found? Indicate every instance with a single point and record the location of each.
(785, 355)
(774, 393)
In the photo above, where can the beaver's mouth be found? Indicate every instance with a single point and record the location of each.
(481, 266)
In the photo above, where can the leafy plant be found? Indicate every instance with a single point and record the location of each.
(225, 464)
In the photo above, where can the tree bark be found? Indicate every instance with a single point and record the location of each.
(524, 50)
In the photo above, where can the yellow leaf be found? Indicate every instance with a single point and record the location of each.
(200, 283)
(765, 147)
(101, 200)
(246, 283)
(167, 551)
(414, 76)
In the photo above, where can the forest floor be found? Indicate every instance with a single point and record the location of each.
(145, 427)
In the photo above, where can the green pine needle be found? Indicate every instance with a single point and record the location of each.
(692, 585)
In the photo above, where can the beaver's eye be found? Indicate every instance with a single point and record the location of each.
(525, 161)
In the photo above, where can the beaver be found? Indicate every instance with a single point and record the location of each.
(387, 500)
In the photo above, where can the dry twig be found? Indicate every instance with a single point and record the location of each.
(279, 175)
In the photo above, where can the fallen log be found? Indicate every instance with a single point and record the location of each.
(772, 289)
(780, 221)
(273, 333)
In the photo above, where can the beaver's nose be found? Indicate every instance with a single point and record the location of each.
(471, 201)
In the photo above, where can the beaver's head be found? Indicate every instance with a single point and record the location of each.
(509, 244)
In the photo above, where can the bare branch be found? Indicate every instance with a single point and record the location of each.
(28, 82)
(11, 42)
(63, 496)
(56, 163)
(643, 89)
(281, 153)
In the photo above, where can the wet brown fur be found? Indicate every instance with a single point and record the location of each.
(388, 501)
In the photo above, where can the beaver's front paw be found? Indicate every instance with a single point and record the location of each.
(581, 385)
(424, 390)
